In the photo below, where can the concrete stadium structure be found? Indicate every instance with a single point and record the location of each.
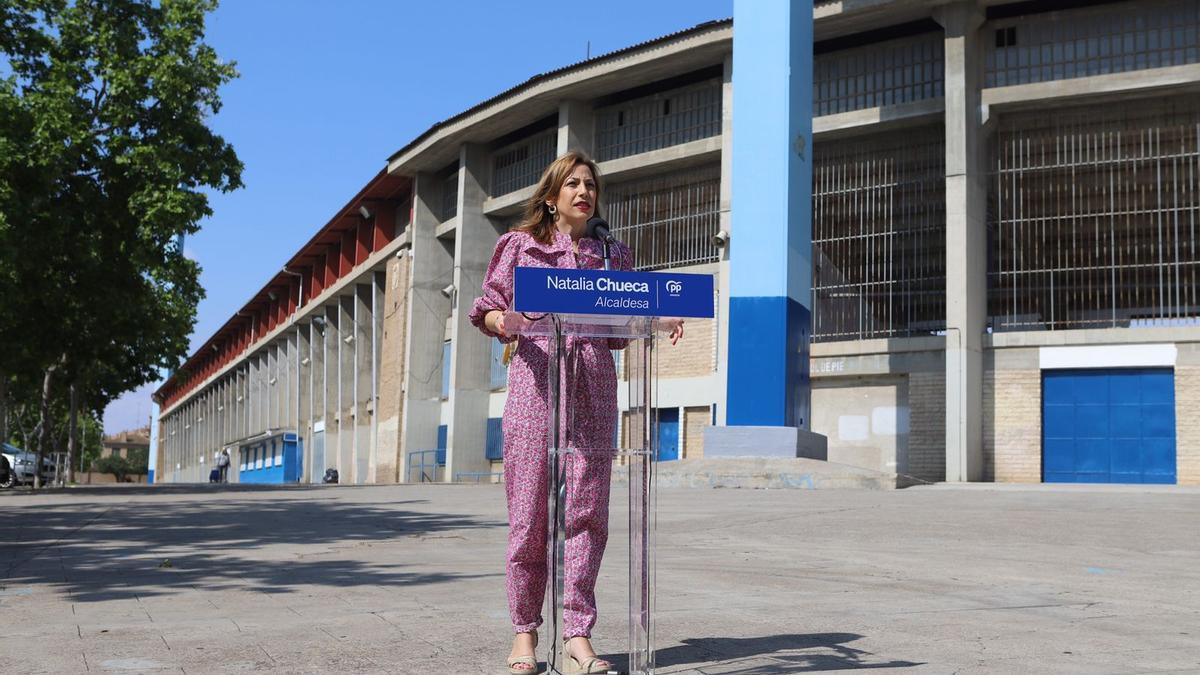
(1006, 198)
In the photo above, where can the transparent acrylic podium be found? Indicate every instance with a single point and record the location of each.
(634, 451)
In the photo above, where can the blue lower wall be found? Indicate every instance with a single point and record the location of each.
(768, 362)
(272, 460)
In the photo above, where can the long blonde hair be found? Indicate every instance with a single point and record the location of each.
(537, 219)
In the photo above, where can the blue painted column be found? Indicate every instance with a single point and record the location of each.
(771, 238)
(152, 460)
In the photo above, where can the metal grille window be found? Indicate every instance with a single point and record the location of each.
(886, 73)
(1093, 218)
(521, 164)
(659, 121)
(1095, 41)
(494, 445)
(879, 236)
(450, 196)
(668, 220)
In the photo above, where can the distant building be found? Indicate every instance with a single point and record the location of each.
(122, 443)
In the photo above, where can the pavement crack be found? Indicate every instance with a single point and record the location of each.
(164, 640)
(267, 653)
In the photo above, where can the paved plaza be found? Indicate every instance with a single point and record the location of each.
(409, 579)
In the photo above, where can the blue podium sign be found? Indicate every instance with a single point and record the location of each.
(567, 291)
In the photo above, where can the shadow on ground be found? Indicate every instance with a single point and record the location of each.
(769, 655)
(142, 547)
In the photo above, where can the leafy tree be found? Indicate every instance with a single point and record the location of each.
(136, 464)
(105, 159)
(139, 461)
(117, 465)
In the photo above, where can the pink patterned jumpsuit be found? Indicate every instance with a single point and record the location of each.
(593, 401)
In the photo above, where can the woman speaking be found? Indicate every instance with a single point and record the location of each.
(552, 234)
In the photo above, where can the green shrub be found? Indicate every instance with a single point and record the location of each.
(118, 466)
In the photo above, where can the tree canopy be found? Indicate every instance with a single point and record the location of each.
(106, 162)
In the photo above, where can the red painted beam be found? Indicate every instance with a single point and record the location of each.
(331, 264)
(293, 290)
(383, 228)
(316, 277)
(306, 280)
(362, 246)
(347, 257)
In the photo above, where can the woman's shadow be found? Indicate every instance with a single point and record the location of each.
(768, 655)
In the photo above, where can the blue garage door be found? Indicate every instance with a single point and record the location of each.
(1108, 426)
(668, 434)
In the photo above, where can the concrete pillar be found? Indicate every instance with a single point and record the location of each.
(291, 418)
(231, 406)
(180, 441)
(249, 386)
(262, 402)
(346, 387)
(278, 388)
(470, 370)
(209, 426)
(332, 390)
(428, 309)
(221, 392)
(304, 398)
(966, 241)
(394, 368)
(197, 428)
(364, 350)
(378, 307)
(181, 451)
(202, 451)
(197, 439)
(243, 424)
(191, 440)
(185, 446)
(320, 425)
(253, 401)
(576, 130)
(271, 386)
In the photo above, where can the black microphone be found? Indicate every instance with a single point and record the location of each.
(597, 228)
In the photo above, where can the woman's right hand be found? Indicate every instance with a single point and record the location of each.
(496, 318)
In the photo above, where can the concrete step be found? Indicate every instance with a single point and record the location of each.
(770, 473)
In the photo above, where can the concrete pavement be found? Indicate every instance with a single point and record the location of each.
(409, 579)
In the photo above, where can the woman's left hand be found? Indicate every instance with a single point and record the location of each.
(676, 330)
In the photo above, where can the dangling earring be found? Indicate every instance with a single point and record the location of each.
(552, 209)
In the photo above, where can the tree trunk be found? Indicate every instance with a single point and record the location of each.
(3, 408)
(44, 424)
(72, 435)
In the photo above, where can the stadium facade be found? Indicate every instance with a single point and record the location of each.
(1006, 197)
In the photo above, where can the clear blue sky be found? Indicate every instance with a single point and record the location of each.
(329, 90)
